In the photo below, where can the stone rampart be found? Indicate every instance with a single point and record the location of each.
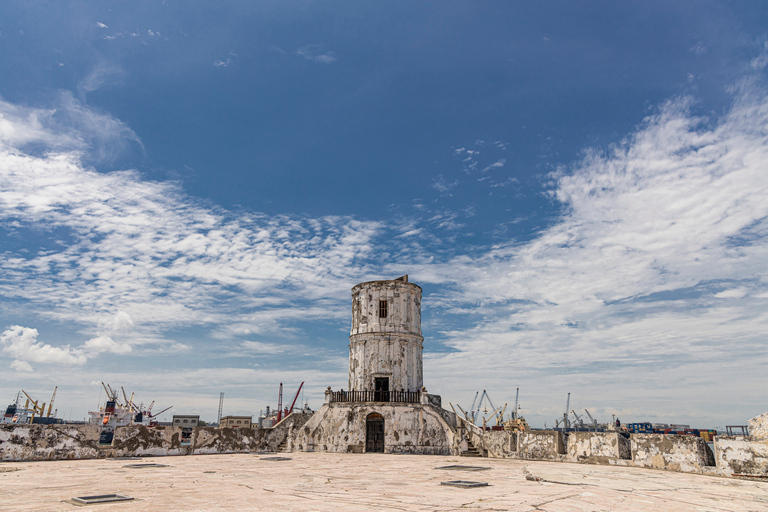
(48, 442)
(58, 442)
(674, 452)
(739, 456)
(147, 442)
(758, 427)
(540, 445)
(598, 447)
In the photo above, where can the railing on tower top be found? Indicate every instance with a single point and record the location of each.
(408, 397)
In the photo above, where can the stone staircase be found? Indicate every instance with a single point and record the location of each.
(281, 447)
(472, 451)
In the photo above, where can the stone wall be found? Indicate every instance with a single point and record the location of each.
(540, 445)
(674, 452)
(739, 456)
(139, 442)
(341, 427)
(598, 447)
(48, 442)
(758, 427)
(57, 442)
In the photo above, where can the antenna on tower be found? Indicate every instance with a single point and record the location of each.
(221, 406)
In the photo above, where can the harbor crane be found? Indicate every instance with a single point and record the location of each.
(517, 395)
(578, 419)
(37, 409)
(474, 414)
(565, 421)
(593, 420)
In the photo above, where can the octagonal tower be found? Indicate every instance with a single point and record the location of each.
(385, 343)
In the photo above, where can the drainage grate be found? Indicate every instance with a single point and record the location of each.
(146, 465)
(101, 498)
(464, 483)
(463, 468)
(275, 458)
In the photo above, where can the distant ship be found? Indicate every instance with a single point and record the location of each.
(115, 414)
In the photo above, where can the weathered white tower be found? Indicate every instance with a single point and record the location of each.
(385, 343)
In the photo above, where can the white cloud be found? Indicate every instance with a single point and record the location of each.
(120, 323)
(101, 25)
(21, 344)
(761, 61)
(315, 52)
(142, 259)
(628, 280)
(102, 74)
(22, 366)
(734, 293)
(262, 348)
(499, 163)
(105, 344)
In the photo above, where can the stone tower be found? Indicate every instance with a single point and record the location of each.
(385, 343)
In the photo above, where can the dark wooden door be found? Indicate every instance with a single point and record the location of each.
(374, 436)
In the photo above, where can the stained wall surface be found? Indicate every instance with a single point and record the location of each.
(758, 427)
(341, 427)
(738, 456)
(598, 447)
(673, 452)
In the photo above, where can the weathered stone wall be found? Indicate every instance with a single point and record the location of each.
(56, 442)
(674, 452)
(758, 427)
(540, 445)
(739, 456)
(341, 427)
(226, 440)
(48, 442)
(499, 443)
(142, 441)
(598, 447)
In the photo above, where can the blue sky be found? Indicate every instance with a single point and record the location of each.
(189, 190)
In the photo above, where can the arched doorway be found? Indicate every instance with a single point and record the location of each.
(374, 433)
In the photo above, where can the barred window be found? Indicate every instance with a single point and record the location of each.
(382, 309)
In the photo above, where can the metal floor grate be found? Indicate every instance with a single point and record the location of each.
(464, 483)
(463, 468)
(100, 498)
(146, 465)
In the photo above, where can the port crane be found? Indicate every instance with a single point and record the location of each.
(37, 409)
(281, 414)
(593, 420)
(578, 419)
(474, 414)
(517, 395)
(565, 422)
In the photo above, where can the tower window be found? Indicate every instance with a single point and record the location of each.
(382, 309)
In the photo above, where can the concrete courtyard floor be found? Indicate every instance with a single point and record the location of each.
(341, 482)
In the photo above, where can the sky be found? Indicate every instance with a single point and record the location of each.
(189, 191)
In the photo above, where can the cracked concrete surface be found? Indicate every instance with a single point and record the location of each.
(340, 482)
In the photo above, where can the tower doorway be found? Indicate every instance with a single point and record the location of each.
(374, 433)
(381, 389)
